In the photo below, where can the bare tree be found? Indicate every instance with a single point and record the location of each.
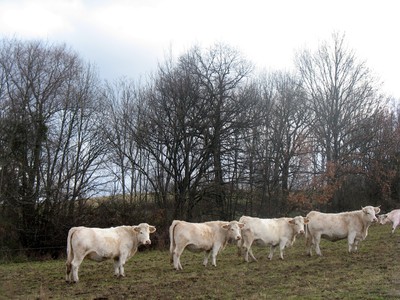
(277, 146)
(49, 151)
(342, 94)
(221, 71)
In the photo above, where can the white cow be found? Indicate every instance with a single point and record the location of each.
(280, 232)
(210, 237)
(392, 218)
(352, 225)
(98, 244)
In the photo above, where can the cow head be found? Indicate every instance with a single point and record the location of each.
(233, 230)
(143, 231)
(298, 224)
(383, 219)
(370, 213)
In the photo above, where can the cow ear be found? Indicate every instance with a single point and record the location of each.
(226, 226)
(241, 225)
(136, 228)
(152, 229)
(292, 222)
(306, 220)
(377, 209)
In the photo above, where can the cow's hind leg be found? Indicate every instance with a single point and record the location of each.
(68, 272)
(395, 224)
(246, 244)
(250, 251)
(177, 258)
(75, 263)
(309, 244)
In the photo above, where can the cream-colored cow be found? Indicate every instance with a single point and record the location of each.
(352, 225)
(210, 237)
(390, 218)
(280, 232)
(99, 244)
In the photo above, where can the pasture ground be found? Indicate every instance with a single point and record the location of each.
(372, 273)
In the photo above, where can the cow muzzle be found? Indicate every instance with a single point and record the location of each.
(148, 242)
(238, 238)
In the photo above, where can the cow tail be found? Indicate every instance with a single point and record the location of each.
(306, 232)
(172, 244)
(70, 252)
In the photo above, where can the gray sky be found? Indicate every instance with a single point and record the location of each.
(129, 37)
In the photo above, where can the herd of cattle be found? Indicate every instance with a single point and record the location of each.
(121, 243)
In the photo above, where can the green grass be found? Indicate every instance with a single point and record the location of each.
(372, 273)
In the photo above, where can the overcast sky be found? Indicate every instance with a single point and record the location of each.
(129, 37)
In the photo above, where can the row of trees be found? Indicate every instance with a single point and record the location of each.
(204, 138)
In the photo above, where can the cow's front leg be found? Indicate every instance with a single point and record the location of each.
(239, 246)
(116, 267)
(271, 252)
(121, 270)
(122, 261)
(206, 255)
(317, 241)
(351, 240)
(282, 246)
(214, 253)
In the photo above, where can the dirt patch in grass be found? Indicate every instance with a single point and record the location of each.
(372, 273)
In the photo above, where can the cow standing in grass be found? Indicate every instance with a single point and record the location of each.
(392, 218)
(352, 225)
(280, 232)
(210, 237)
(99, 244)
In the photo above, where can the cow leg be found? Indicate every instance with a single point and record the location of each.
(214, 253)
(271, 252)
(246, 244)
(355, 248)
(76, 262)
(317, 240)
(122, 261)
(309, 244)
(117, 267)
(250, 251)
(68, 272)
(282, 246)
(395, 224)
(351, 242)
(177, 258)
(239, 246)
(206, 255)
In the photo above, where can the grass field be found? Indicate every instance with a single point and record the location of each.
(372, 273)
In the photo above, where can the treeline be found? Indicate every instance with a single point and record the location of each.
(205, 137)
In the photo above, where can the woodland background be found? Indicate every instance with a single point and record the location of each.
(205, 136)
